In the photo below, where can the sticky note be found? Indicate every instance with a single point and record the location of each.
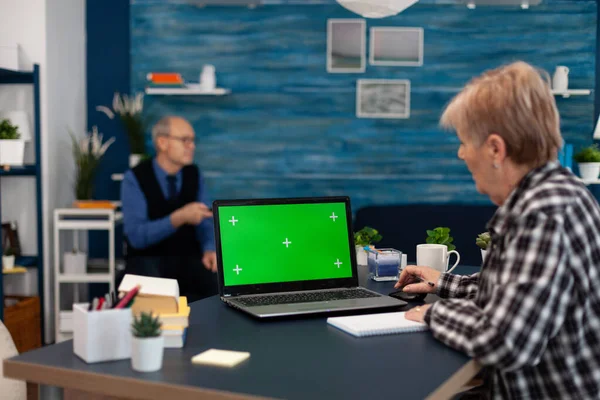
(221, 358)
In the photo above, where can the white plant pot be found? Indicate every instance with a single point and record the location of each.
(589, 171)
(483, 254)
(134, 159)
(8, 262)
(12, 152)
(147, 353)
(75, 263)
(361, 256)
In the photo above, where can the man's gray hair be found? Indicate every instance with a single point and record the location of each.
(161, 128)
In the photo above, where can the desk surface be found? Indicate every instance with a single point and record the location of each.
(292, 358)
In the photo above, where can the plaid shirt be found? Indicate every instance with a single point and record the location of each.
(532, 315)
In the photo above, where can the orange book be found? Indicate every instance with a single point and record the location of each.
(165, 78)
(94, 204)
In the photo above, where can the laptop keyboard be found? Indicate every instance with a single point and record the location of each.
(306, 297)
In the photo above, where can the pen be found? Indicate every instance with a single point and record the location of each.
(94, 304)
(100, 302)
(128, 297)
(113, 299)
(424, 280)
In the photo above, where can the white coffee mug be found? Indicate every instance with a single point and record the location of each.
(436, 256)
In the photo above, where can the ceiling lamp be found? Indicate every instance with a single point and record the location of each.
(376, 8)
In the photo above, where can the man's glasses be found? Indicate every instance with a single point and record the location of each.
(185, 140)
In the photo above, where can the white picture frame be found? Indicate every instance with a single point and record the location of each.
(396, 46)
(346, 45)
(383, 98)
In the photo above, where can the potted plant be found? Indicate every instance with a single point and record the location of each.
(87, 153)
(8, 259)
(147, 343)
(365, 237)
(483, 241)
(588, 160)
(12, 148)
(440, 235)
(130, 109)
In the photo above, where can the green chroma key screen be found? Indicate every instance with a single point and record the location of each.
(284, 243)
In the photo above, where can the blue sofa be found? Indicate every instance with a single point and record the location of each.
(404, 226)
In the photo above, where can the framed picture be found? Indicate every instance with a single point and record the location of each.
(346, 45)
(383, 98)
(10, 237)
(396, 46)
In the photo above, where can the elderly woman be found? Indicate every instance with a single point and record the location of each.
(532, 315)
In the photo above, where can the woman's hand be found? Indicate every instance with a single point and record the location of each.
(414, 279)
(417, 313)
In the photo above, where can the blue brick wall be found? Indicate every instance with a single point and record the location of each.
(289, 127)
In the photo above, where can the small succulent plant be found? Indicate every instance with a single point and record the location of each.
(483, 240)
(146, 326)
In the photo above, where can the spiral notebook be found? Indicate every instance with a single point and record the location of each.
(376, 324)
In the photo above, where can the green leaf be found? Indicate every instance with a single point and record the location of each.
(588, 154)
(8, 131)
(367, 236)
(440, 235)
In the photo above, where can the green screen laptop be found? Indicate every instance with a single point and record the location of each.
(280, 257)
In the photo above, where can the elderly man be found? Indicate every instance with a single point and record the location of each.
(167, 224)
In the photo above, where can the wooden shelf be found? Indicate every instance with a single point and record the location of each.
(8, 76)
(85, 278)
(572, 92)
(189, 90)
(25, 170)
(591, 182)
(26, 261)
(87, 218)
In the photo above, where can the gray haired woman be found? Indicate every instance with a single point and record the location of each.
(531, 317)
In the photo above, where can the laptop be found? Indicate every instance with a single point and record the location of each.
(280, 257)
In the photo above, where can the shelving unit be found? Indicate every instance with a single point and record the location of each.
(79, 219)
(572, 92)
(9, 77)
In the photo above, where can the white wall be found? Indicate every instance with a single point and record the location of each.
(52, 34)
(67, 110)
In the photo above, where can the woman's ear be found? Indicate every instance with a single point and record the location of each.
(497, 147)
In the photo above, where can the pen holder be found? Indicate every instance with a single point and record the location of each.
(103, 335)
(384, 264)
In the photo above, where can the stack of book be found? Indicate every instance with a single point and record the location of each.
(165, 80)
(161, 297)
